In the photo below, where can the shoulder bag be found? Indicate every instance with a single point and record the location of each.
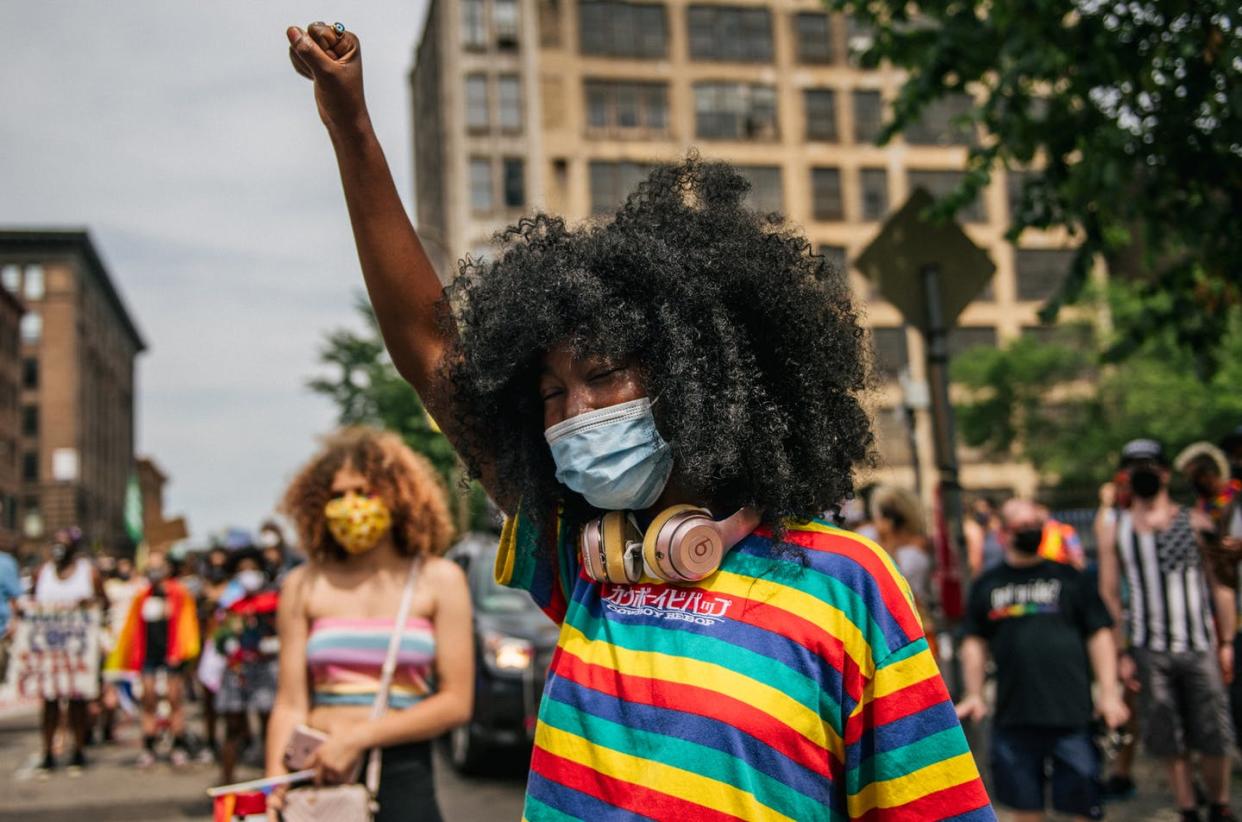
(355, 802)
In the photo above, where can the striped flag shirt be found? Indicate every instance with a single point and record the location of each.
(1170, 605)
(790, 685)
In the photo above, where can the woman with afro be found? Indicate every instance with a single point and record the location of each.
(663, 403)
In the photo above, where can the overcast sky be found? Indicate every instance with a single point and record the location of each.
(179, 135)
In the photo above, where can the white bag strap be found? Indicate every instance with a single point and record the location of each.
(390, 666)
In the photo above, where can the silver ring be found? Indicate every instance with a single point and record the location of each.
(339, 28)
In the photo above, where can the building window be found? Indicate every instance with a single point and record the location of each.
(11, 277)
(1040, 272)
(33, 285)
(481, 185)
(891, 351)
(735, 111)
(31, 327)
(962, 338)
(612, 182)
(859, 37)
(936, 125)
(550, 23)
(30, 466)
(821, 114)
(868, 116)
(618, 106)
(30, 372)
(609, 28)
(767, 194)
(814, 37)
(473, 24)
(30, 420)
(834, 255)
(478, 117)
(509, 94)
(505, 23)
(826, 194)
(514, 182)
(873, 187)
(732, 33)
(942, 183)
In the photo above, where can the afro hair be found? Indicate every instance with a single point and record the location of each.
(751, 343)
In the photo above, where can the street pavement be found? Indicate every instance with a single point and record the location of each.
(113, 789)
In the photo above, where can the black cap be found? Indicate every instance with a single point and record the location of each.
(1142, 449)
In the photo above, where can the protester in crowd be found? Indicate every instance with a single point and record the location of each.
(687, 352)
(982, 533)
(1175, 658)
(857, 512)
(215, 574)
(245, 636)
(120, 588)
(1206, 469)
(373, 516)
(68, 580)
(1048, 630)
(1231, 445)
(160, 636)
(10, 590)
(278, 556)
(901, 528)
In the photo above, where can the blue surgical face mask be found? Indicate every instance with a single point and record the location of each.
(614, 457)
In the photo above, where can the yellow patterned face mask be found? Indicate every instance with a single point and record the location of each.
(357, 523)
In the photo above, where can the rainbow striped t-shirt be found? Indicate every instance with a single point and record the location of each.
(767, 691)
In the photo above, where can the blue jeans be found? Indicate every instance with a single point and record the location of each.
(1022, 759)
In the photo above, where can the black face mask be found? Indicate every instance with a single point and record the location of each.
(1145, 483)
(1027, 540)
(1204, 488)
(216, 573)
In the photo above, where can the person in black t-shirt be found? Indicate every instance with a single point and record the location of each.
(1047, 629)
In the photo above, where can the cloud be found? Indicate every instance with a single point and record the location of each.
(181, 137)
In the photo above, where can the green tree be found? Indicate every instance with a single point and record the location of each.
(366, 389)
(1058, 405)
(1125, 120)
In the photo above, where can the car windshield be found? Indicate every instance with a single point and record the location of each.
(490, 596)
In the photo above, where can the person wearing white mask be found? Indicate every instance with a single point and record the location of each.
(245, 636)
(158, 638)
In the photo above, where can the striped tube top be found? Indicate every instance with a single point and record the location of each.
(345, 657)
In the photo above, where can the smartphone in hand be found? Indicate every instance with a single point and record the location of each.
(302, 744)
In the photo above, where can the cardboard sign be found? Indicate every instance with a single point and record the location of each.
(55, 654)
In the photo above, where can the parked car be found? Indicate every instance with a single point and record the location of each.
(514, 642)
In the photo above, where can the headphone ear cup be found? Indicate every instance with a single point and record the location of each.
(657, 542)
(613, 528)
(589, 551)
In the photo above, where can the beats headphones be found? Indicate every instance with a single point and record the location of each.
(682, 544)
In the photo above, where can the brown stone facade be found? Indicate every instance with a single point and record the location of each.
(78, 343)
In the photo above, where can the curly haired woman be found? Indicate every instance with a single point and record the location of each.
(366, 508)
(663, 402)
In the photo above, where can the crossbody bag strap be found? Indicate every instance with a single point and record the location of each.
(390, 666)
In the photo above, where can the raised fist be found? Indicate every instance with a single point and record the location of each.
(330, 56)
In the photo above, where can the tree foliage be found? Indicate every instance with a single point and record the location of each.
(366, 389)
(1125, 119)
(1058, 405)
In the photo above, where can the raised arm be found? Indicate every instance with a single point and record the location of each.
(403, 286)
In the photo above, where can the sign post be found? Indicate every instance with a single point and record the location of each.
(930, 271)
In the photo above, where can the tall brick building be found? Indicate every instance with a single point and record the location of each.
(11, 310)
(564, 105)
(78, 345)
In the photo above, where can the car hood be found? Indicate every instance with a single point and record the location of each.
(533, 627)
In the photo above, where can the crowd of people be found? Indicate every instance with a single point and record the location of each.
(194, 626)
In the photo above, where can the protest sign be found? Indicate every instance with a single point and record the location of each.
(55, 653)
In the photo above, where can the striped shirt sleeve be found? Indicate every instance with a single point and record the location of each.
(541, 561)
(906, 756)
